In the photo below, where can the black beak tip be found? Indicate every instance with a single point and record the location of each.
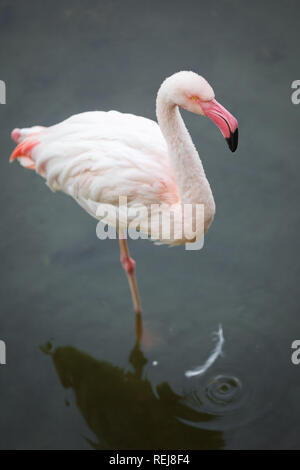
(232, 141)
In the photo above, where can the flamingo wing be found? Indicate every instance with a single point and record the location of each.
(95, 157)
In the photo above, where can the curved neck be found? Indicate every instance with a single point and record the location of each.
(188, 170)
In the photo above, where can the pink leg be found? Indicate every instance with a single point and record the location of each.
(138, 328)
(129, 267)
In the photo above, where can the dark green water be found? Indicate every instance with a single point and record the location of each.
(75, 376)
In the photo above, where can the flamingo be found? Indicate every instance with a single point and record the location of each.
(98, 156)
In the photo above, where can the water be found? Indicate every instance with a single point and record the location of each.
(76, 375)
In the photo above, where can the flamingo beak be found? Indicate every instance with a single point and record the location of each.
(225, 121)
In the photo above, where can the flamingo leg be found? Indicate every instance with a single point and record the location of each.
(129, 267)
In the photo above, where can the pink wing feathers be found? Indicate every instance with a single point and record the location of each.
(26, 140)
(97, 156)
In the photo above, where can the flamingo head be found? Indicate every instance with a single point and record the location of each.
(192, 92)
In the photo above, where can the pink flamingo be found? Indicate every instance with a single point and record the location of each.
(95, 157)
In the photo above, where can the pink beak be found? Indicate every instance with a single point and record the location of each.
(227, 123)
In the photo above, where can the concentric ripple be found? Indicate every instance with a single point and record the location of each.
(224, 390)
(241, 386)
(238, 388)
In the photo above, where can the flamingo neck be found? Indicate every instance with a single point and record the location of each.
(188, 169)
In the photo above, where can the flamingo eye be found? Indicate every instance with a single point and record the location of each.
(194, 98)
